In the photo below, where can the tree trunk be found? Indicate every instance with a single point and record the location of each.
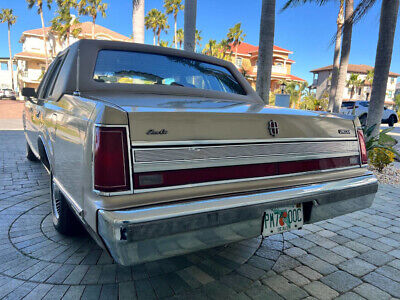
(336, 57)
(154, 37)
(383, 59)
(344, 56)
(189, 30)
(93, 27)
(236, 50)
(175, 38)
(10, 62)
(352, 93)
(266, 47)
(44, 39)
(138, 21)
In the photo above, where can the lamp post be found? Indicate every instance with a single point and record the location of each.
(283, 87)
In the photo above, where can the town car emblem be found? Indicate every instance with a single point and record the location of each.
(156, 132)
(273, 128)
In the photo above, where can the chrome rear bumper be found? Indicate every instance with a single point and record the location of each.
(145, 234)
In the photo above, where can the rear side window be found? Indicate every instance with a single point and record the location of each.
(128, 67)
(48, 89)
(365, 104)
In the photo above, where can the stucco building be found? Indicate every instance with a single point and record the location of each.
(32, 60)
(322, 83)
(246, 62)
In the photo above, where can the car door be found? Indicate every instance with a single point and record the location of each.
(31, 117)
(47, 110)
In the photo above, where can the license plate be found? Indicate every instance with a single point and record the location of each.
(278, 220)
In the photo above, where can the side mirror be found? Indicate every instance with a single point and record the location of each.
(29, 92)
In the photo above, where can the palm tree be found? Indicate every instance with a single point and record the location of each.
(354, 83)
(63, 25)
(138, 21)
(338, 41)
(197, 39)
(223, 47)
(164, 43)
(6, 16)
(157, 21)
(92, 8)
(336, 55)
(235, 37)
(387, 28)
(345, 54)
(190, 25)
(173, 7)
(39, 4)
(265, 50)
(210, 47)
(179, 38)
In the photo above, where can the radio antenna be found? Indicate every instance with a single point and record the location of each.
(78, 64)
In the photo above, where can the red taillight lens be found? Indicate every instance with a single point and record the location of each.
(111, 160)
(363, 148)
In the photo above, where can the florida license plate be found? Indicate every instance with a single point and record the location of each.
(278, 220)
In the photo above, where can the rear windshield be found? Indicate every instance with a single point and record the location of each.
(127, 67)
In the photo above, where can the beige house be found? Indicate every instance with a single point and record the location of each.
(246, 62)
(32, 60)
(322, 83)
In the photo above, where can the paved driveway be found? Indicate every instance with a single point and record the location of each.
(351, 257)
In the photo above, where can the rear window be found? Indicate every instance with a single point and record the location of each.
(128, 67)
(348, 104)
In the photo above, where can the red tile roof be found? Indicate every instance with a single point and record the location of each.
(295, 78)
(30, 55)
(86, 31)
(245, 48)
(363, 69)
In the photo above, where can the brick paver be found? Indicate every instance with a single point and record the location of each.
(350, 257)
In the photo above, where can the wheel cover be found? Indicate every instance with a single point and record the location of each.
(55, 200)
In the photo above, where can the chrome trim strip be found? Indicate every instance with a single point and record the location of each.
(242, 141)
(68, 196)
(174, 158)
(128, 192)
(139, 191)
(154, 213)
(194, 164)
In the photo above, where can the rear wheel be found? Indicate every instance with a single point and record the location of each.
(64, 220)
(392, 120)
(363, 120)
(29, 153)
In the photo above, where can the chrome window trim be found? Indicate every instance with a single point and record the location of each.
(160, 189)
(242, 141)
(68, 196)
(127, 192)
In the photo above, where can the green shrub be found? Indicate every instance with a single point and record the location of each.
(379, 158)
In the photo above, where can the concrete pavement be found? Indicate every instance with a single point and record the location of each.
(356, 256)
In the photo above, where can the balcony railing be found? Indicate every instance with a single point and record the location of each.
(279, 69)
(32, 75)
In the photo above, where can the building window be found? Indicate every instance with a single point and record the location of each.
(4, 66)
(239, 62)
(392, 80)
(390, 94)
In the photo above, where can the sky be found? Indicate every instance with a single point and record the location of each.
(306, 30)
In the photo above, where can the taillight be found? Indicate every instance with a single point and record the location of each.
(363, 148)
(111, 160)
